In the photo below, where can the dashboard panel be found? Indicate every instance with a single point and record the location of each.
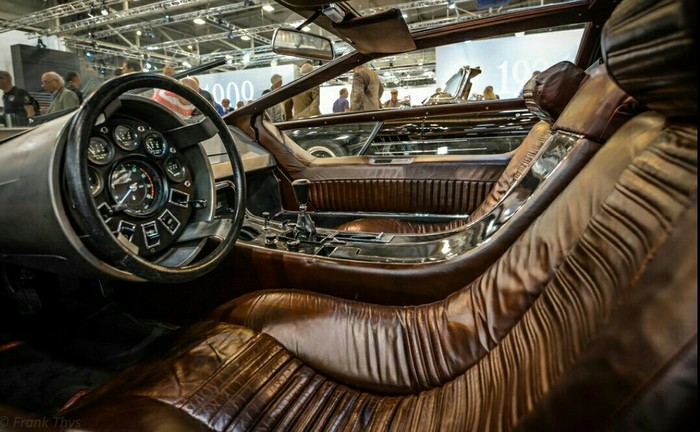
(141, 184)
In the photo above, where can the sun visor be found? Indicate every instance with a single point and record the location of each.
(382, 33)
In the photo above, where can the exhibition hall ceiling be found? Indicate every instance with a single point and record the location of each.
(190, 32)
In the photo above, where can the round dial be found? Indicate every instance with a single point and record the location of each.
(126, 137)
(136, 187)
(175, 169)
(155, 145)
(100, 151)
(95, 181)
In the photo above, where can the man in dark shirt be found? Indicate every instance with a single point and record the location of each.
(73, 83)
(342, 104)
(16, 101)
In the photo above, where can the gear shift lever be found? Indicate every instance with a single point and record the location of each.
(305, 225)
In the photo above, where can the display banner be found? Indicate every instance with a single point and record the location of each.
(507, 63)
(243, 85)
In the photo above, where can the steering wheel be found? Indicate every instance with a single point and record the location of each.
(109, 246)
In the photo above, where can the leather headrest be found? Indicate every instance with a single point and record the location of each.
(649, 47)
(598, 109)
(547, 93)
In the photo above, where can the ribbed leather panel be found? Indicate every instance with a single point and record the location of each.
(399, 195)
(485, 357)
(650, 50)
(522, 158)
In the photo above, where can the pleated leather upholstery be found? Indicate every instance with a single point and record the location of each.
(521, 159)
(587, 322)
(597, 109)
(658, 67)
(444, 196)
(487, 356)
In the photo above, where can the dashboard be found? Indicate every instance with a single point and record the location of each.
(141, 184)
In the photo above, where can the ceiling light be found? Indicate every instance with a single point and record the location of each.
(104, 12)
(139, 32)
(199, 21)
(306, 29)
(519, 34)
(404, 15)
(186, 64)
(450, 4)
(245, 37)
(189, 47)
(267, 7)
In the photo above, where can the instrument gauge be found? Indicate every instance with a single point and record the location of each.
(95, 181)
(155, 145)
(175, 169)
(136, 187)
(100, 151)
(126, 137)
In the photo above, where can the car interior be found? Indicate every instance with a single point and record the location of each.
(163, 273)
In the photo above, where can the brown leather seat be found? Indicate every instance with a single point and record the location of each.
(588, 322)
(546, 96)
(599, 108)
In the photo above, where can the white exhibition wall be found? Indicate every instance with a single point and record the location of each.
(244, 85)
(507, 63)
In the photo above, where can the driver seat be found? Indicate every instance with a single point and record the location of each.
(587, 322)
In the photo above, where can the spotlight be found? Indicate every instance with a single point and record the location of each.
(450, 4)
(89, 54)
(199, 21)
(245, 38)
(230, 35)
(139, 32)
(267, 7)
(104, 11)
(189, 47)
(103, 71)
(306, 29)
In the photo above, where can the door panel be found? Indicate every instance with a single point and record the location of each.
(446, 165)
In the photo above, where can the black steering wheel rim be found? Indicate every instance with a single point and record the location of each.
(99, 238)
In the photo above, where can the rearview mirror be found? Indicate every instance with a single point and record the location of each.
(293, 42)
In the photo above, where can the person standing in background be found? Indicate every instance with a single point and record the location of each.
(62, 98)
(367, 89)
(226, 104)
(239, 104)
(130, 66)
(394, 101)
(169, 71)
(307, 103)
(73, 84)
(16, 100)
(489, 94)
(341, 104)
(276, 112)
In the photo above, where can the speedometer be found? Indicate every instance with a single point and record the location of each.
(136, 187)
(126, 137)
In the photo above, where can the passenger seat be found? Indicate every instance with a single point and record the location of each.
(546, 95)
